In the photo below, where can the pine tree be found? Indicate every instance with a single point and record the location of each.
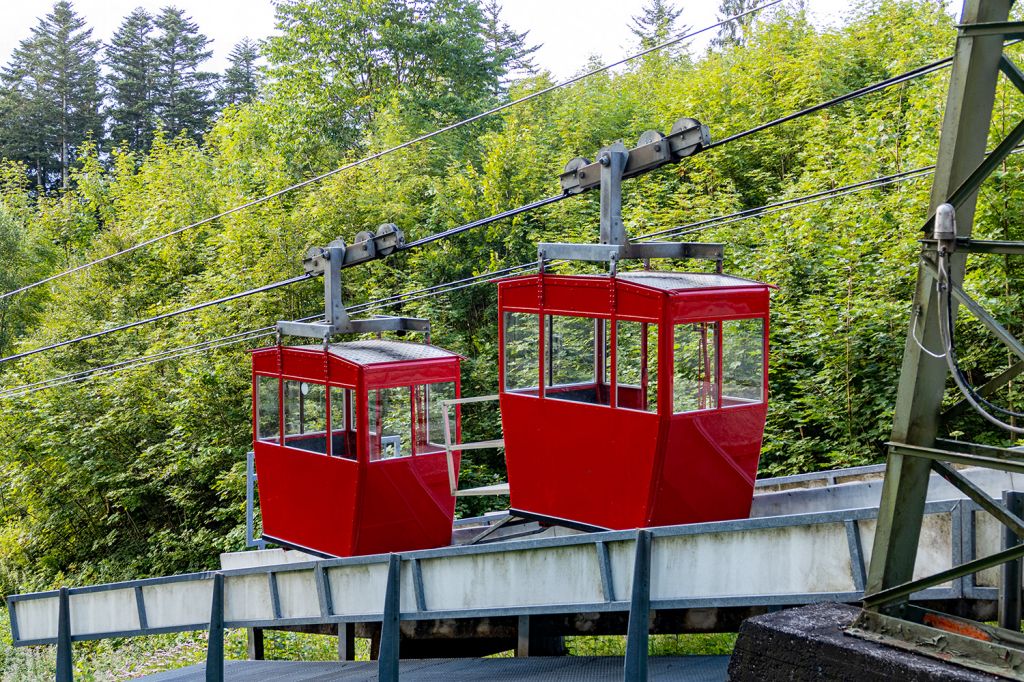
(241, 79)
(732, 32)
(52, 96)
(507, 47)
(181, 92)
(657, 23)
(130, 58)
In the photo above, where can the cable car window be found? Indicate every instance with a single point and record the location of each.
(522, 358)
(268, 416)
(430, 416)
(695, 386)
(305, 416)
(575, 350)
(636, 365)
(342, 440)
(742, 361)
(390, 423)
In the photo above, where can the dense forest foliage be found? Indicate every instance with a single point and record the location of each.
(142, 471)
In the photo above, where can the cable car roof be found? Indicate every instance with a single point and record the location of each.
(378, 351)
(675, 281)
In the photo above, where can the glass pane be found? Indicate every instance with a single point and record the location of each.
(569, 343)
(393, 435)
(305, 416)
(636, 365)
(575, 349)
(430, 416)
(342, 442)
(696, 353)
(338, 412)
(522, 360)
(742, 361)
(268, 418)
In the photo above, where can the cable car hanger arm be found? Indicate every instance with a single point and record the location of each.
(615, 163)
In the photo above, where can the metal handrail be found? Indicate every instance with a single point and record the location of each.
(453, 477)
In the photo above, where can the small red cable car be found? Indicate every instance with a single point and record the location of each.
(632, 401)
(360, 466)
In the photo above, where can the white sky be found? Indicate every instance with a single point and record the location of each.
(569, 30)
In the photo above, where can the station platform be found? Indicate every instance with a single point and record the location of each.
(538, 669)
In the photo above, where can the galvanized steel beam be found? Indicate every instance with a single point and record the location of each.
(637, 634)
(65, 669)
(962, 150)
(215, 645)
(1010, 577)
(390, 633)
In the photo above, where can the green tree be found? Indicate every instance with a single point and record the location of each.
(507, 46)
(342, 61)
(182, 93)
(52, 96)
(732, 32)
(241, 79)
(130, 59)
(657, 22)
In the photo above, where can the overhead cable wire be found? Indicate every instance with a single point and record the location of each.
(239, 337)
(390, 150)
(157, 318)
(853, 94)
(913, 73)
(443, 288)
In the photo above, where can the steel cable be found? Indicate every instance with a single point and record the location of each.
(686, 229)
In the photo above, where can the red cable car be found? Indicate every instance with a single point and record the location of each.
(632, 401)
(359, 467)
(349, 437)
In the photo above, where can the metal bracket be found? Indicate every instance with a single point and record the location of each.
(615, 163)
(328, 262)
(654, 150)
(948, 638)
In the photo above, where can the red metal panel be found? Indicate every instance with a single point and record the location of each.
(307, 499)
(266, 360)
(587, 463)
(621, 468)
(407, 505)
(708, 466)
(718, 304)
(407, 373)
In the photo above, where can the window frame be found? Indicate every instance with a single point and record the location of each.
(536, 391)
(719, 364)
(256, 409)
(282, 399)
(763, 364)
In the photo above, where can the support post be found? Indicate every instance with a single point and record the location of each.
(215, 646)
(65, 668)
(523, 637)
(1010, 577)
(639, 611)
(254, 644)
(387, 661)
(346, 641)
(962, 147)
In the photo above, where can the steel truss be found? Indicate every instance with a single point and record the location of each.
(916, 449)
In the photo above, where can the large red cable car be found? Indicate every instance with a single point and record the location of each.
(632, 401)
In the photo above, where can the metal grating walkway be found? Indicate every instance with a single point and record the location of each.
(583, 668)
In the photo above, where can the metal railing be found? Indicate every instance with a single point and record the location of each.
(450, 448)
